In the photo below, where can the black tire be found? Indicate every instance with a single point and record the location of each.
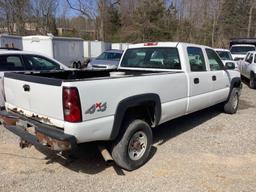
(122, 149)
(75, 65)
(252, 81)
(232, 104)
(79, 65)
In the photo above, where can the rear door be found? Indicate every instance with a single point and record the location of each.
(9, 63)
(199, 80)
(219, 77)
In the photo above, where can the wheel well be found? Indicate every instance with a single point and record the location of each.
(237, 84)
(145, 111)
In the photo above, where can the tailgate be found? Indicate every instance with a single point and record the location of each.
(39, 97)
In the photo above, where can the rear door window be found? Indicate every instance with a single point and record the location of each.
(11, 63)
(196, 59)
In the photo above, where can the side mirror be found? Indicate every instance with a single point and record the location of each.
(230, 66)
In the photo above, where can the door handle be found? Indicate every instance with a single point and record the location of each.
(196, 81)
(214, 78)
(26, 88)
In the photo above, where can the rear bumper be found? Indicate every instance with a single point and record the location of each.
(36, 133)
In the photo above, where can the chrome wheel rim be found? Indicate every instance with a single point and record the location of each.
(235, 102)
(137, 145)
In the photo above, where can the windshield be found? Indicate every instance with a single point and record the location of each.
(241, 49)
(110, 56)
(155, 57)
(225, 55)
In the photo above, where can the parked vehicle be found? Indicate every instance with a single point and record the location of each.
(247, 68)
(11, 41)
(226, 57)
(107, 60)
(239, 47)
(14, 60)
(67, 50)
(93, 49)
(154, 83)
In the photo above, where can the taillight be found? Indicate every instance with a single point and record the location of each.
(71, 105)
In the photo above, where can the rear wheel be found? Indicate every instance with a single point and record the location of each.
(252, 81)
(132, 148)
(231, 105)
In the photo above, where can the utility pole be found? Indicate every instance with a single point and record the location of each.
(253, 5)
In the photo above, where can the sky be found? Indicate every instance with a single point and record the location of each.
(63, 6)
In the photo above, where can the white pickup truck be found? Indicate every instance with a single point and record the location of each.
(247, 68)
(155, 83)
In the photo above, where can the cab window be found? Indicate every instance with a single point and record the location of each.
(153, 57)
(11, 63)
(214, 60)
(36, 62)
(196, 59)
(249, 58)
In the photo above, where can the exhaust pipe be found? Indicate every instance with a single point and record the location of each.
(105, 154)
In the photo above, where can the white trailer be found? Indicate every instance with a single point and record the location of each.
(87, 49)
(11, 41)
(97, 47)
(120, 46)
(69, 51)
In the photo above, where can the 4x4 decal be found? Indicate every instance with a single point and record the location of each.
(98, 107)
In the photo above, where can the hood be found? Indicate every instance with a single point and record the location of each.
(104, 62)
(238, 56)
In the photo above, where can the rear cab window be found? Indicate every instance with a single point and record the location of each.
(152, 57)
(11, 63)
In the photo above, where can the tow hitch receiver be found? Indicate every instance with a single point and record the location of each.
(38, 134)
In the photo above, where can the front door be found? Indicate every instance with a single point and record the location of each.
(199, 80)
(219, 77)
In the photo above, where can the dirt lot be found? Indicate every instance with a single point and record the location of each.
(206, 151)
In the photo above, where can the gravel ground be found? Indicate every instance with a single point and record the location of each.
(205, 151)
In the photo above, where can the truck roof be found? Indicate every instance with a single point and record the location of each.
(250, 41)
(220, 49)
(243, 45)
(163, 44)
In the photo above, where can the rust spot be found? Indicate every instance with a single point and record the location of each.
(53, 144)
(9, 120)
(42, 119)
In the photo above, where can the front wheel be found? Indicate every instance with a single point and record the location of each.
(132, 148)
(231, 105)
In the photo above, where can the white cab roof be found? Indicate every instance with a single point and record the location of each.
(164, 44)
(243, 45)
(220, 49)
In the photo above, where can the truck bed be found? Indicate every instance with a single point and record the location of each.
(56, 78)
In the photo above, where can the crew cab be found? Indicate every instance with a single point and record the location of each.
(247, 68)
(154, 83)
